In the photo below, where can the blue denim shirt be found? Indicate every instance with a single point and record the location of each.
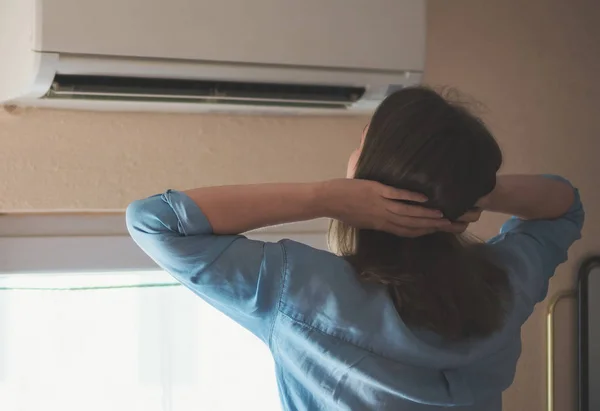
(339, 343)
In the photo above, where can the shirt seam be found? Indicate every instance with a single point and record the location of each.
(284, 275)
(167, 199)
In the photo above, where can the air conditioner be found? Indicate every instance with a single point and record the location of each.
(283, 56)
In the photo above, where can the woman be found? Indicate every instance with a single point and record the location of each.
(410, 315)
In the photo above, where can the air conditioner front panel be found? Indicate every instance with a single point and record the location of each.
(274, 56)
(349, 34)
(103, 83)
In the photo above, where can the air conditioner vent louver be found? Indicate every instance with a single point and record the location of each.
(203, 91)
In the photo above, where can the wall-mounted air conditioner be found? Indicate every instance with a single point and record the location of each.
(285, 56)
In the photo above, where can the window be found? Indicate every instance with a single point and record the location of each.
(151, 348)
(81, 330)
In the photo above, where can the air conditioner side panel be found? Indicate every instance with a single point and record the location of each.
(374, 34)
(23, 72)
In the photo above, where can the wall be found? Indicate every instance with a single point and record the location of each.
(62, 160)
(533, 64)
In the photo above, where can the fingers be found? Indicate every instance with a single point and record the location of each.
(409, 220)
(413, 211)
(399, 194)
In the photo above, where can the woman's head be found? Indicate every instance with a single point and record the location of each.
(419, 141)
(443, 282)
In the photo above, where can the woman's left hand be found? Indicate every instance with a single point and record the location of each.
(372, 205)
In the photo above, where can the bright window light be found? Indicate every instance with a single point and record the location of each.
(67, 345)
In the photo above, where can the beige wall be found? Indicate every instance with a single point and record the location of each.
(62, 160)
(533, 63)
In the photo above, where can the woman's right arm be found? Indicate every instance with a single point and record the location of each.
(548, 220)
(530, 197)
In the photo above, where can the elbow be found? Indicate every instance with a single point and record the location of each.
(135, 216)
(576, 213)
(572, 207)
(579, 218)
(170, 214)
(152, 216)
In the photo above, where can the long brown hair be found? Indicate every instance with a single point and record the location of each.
(442, 282)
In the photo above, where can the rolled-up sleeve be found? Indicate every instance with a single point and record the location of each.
(533, 249)
(240, 277)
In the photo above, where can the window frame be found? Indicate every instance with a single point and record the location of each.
(95, 242)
